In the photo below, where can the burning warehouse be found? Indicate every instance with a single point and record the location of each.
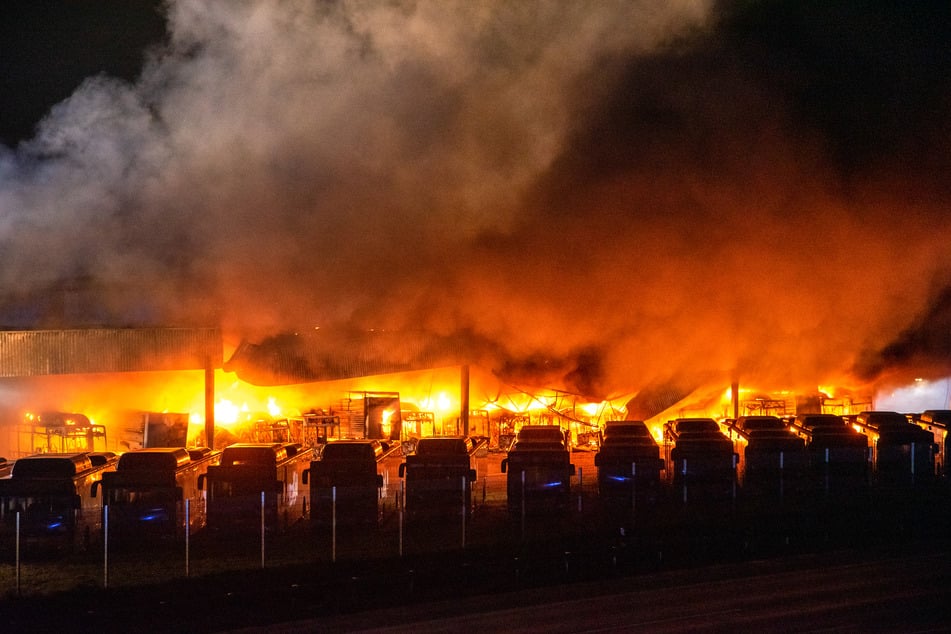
(595, 203)
(696, 213)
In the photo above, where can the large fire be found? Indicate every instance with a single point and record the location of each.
(433, 396)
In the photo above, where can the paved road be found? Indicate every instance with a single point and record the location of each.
(838, 593)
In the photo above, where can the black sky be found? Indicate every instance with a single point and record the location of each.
(48, 47)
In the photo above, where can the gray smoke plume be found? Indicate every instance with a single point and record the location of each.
(615, 193)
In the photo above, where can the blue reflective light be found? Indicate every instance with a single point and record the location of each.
(619, 478)
(154, 515)
(551, 485)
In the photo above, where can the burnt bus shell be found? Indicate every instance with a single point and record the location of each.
(52, 494)
(346, 482)
(245, 472)
(146, 494)
(439, 476)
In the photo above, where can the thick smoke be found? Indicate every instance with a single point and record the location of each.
(615, 193)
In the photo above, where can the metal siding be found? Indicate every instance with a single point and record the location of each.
(44, 352)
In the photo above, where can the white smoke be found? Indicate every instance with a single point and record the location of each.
(286, 163)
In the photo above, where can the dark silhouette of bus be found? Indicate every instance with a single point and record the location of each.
(52, 494)
(699, 455)
(902, 453)
(838, 455)
(538, 468)
(439, 477)
(245, 473)
(769, 451)
(938, 421)
(629, 462)
(148, 491)
(346, 483)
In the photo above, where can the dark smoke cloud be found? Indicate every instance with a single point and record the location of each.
(617, 193)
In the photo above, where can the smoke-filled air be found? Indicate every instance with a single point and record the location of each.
(621, 193)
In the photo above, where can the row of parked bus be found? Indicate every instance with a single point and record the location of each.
(831, 451)
(165, 491)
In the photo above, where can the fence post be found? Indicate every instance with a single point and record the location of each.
(187, 535)
(465, 510)
(18, 553)
(683, 473)
(105, 546)
(262, 529)
(633, 487)
(333, 524)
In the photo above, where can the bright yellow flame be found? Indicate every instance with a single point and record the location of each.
(827, 390)
(226, 412)
(272, 407)
(591, 409)
(442, 402)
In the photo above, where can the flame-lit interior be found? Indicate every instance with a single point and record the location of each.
(430, 403)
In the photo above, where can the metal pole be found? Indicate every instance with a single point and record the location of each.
(464, 400)
(262, 529)
(464, 510)
(18, 553)
(683, 473)
(105, 546)
(913, 461)
(187, 534)
(209, 403)
(580, 481)
(333, 524)
(827, 470)
(782, 482)
(523, 504)
(633, 486)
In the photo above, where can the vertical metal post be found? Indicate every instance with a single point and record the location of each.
(683, 473)
(464, 400)
(580, 489)
(827, 470)
(912, 461)
(262, 529)
(333, 524)
(523, 504)
(782, 481)
(401, 517)
(209, 403)
(105, 546)
(465, 510)
(633, 487)
(18, 553)
(188, 506)
(735, 397)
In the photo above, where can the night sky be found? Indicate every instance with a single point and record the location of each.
(630, 191)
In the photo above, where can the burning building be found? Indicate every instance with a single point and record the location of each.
(583, 205)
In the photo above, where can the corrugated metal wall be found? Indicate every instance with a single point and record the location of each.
(81, 351)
